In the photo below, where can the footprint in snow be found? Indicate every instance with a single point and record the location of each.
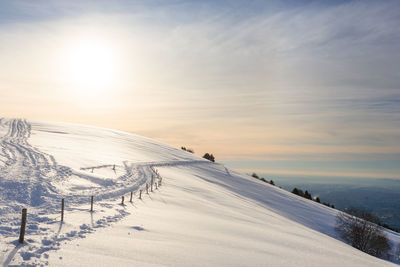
(138, 228)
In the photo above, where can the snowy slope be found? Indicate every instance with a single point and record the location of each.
(203, 214)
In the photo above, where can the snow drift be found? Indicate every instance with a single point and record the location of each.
(203, 214)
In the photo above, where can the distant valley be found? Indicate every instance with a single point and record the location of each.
(379, 196)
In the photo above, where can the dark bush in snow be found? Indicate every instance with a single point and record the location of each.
(360, 229)
(210, 157)
(187, 149)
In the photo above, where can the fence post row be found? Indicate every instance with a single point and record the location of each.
(24, 210)
(23, 224)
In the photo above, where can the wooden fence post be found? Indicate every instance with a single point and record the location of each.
(140, 194)
(147, 188)
(23, 224)
(131, 196)
(91, 203)
(62, 209)
(156, 185)
(123, 198)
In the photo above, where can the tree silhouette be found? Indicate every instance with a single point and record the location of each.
(210, 157)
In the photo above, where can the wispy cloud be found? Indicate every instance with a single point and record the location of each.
(278, 80)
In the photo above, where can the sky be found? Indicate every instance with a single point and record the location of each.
(303, 88)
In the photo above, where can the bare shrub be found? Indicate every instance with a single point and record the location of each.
(360, 229)
(187, 149)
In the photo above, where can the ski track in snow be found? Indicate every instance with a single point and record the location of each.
(31, 178)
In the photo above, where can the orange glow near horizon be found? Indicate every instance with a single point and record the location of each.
(171, 82)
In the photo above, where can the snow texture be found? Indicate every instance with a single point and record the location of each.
(203, 214)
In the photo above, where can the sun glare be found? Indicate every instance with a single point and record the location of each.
(90, 66)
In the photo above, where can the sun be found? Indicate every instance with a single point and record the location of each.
(90, 66)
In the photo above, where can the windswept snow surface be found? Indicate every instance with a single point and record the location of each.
(203, 214)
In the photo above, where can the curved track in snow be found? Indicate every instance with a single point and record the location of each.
(32, 178)
(25, 170)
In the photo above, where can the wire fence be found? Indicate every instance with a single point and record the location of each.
(149, 187)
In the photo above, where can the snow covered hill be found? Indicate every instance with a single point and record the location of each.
(203, 213)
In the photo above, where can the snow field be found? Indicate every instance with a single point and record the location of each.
(192, 222)
(203, 214)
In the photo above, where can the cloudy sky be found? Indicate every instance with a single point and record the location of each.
(309, 88)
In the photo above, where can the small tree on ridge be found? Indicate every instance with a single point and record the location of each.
(210, 157)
